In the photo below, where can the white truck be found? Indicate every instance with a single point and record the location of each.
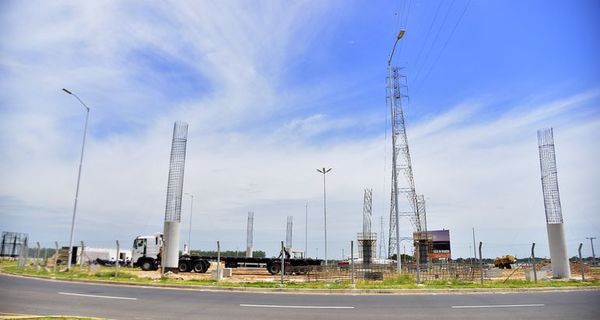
(147, 251)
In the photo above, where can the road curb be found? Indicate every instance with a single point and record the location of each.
(317, 291)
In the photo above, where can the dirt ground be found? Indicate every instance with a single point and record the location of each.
(238, 275)
(519, 272)
(261, 274)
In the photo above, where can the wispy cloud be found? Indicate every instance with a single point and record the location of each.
(256, 136)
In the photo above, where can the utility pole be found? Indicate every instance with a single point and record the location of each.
(474, 248)
(191, 214)
(324, 172)
(593, 253)
(306, 231)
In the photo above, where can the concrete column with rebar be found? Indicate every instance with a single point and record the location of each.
(554, 219)
(170, 259)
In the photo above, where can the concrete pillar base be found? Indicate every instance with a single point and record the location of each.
(172, 270)
(561, 268)
(171, 245)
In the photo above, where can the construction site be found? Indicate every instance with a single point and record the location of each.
(430, 259)
(373, 256)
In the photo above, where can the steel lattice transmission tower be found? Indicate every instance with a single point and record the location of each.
(422, 213)
(174, 195)
(250, 235)
(381, 237)
(401, 161)
(552, 206)
(288, 232)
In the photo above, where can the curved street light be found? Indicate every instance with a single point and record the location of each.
(87, 114)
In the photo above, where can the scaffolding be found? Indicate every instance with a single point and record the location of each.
(367, 240)
(13, 243)
(422, 239)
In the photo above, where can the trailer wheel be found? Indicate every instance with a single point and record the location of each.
(508, 266)
(184, 266)
(147, 265)
(200, 267)
(273, 268)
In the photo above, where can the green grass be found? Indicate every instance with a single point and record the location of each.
(399, 282)
(48, 317)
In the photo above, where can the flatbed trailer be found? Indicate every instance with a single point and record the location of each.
(201, 264)
(147, 251)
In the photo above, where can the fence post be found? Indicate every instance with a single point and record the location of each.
(533, 262)
(218, 261)
(480, 263)
(26, 251)
(55, 256)
(81, 257)
(37, 255)
(352, 259)
(581, 263)
(45, 257)
(117, 259)
(282, 261)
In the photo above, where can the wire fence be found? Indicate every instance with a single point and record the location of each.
(344, 271)
(40, 256)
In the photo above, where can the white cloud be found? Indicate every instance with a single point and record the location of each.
(252, 140)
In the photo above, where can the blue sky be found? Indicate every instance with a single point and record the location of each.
(272, 90)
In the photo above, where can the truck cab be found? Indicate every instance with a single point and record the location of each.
(147, 251)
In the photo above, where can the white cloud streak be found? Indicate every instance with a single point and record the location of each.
(254, 142)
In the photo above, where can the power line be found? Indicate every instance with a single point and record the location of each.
(405, 26)
(428, 33)
(444, 46)
(437, 35)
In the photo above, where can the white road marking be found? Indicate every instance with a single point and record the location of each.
(500, 306)
(95, 296)
(294, 307)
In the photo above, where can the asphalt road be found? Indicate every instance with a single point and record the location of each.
(45, 297)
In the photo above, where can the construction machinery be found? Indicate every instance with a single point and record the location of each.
(505, 262)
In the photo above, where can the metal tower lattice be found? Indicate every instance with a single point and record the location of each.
(288, 232)
(422, 212)
(250, 234)
(401, 161)
(381, 237)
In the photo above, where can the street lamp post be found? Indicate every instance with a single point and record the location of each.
(87, 114)
(306, 232)
(191, 213)
(394, 156)
(324, 171)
